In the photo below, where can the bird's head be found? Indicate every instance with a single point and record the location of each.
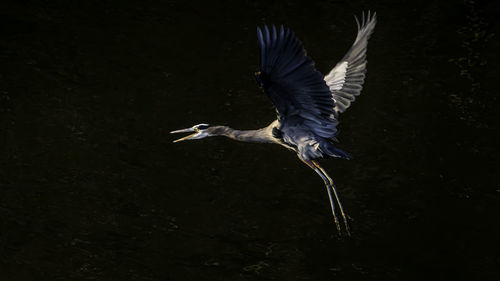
(199, 131)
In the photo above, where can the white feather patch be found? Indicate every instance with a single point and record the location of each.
(336, 78)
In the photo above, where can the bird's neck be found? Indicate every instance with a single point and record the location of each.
(260, 135)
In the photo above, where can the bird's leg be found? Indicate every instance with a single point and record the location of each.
(332, 186)
(325, 178)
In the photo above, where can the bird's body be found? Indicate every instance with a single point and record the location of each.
(307, 103)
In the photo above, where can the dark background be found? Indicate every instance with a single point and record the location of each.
(92, 188)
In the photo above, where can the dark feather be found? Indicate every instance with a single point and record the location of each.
(295, 87)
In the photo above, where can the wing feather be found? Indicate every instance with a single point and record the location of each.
(296, 88)
(345, 80)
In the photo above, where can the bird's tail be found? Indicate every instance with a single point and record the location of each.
(329, 149)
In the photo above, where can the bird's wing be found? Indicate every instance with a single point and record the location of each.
(295, 87)
(346, 79)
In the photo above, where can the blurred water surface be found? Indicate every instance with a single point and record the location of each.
(91, 187)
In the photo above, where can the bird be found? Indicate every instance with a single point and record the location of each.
(307, 103)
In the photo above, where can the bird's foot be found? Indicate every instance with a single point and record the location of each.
(345, 220)
(337, 224)
(346, 224)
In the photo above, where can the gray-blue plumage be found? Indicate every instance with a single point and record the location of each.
(307, 103)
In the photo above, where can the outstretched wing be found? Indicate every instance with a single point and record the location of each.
(295, 87)
(347, 77)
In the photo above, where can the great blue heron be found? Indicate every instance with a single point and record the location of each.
(307, 103)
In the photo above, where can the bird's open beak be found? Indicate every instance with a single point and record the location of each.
(188, 130)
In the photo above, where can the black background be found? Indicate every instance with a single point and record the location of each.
(92, 188)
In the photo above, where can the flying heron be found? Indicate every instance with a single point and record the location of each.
(307, 103)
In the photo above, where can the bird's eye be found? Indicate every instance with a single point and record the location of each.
(202, 126)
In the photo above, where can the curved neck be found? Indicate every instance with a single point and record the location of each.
(260, 135)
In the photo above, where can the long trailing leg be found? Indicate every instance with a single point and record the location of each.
(332, 186)
(327, 181)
